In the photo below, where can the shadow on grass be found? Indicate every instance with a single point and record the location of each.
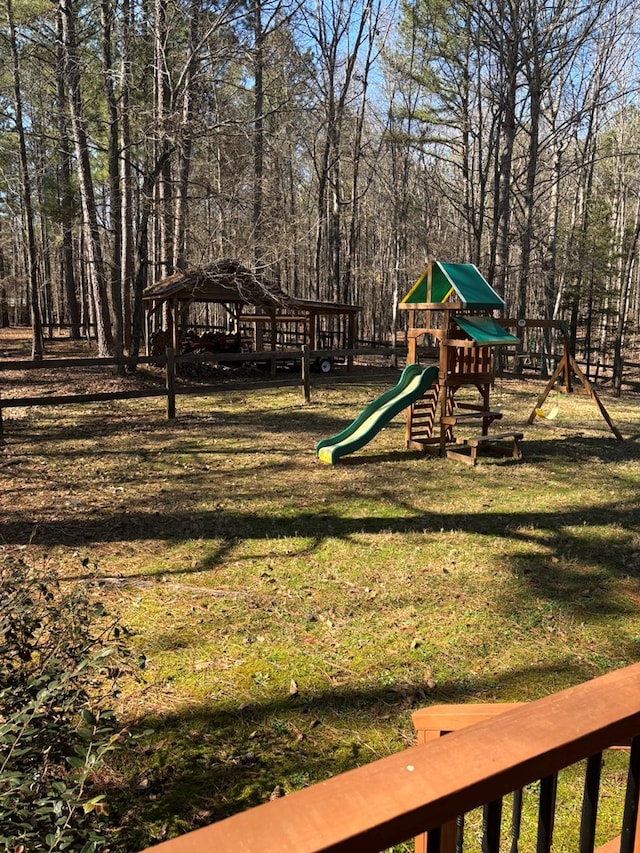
(208, 762)
(365, 458)
(159, 434)
(226, 523)
(312, 420)
(580, 554)
(578, 448)
(211, 762)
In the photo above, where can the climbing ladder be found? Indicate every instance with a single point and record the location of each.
(421, 417)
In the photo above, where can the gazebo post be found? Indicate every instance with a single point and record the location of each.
(351, 337)
(147, 327)
(274, 332)
(173, 310)
(311, 330)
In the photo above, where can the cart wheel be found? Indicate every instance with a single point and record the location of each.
(325, 365)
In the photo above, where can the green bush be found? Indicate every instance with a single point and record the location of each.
(60, 656)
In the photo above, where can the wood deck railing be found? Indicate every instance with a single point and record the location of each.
(427, 787)
(438, 720)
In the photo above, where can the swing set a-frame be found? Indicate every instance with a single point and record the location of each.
(562, 377)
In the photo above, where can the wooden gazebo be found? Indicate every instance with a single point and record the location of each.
(248, 298)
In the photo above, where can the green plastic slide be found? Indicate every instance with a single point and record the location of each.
(412, 384)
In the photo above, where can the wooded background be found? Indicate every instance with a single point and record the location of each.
(333, 146)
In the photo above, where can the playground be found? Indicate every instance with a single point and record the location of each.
(293, 615)
(453, 306)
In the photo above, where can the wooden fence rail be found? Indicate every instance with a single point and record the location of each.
(171, 363)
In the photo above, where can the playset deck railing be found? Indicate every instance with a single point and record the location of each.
(425, 789)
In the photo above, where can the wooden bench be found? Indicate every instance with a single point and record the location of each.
(502, 443)
(471, 415)
(464, 414)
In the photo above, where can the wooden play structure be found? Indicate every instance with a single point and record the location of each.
(453, 305)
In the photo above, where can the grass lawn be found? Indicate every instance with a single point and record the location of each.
(293, 614)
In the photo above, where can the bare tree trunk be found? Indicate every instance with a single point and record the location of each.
(37, 349)
(258, 131)
(90, 217)
(164, 195)
(618, 346)
(115, 205)
(478, 133)
(66, 194)
(503, 187)
(337, 75)
(127, 259)
(528, 225)
(186, 138)
(357, 158)
(142, 252)
(583, 220)
(46, 279)
(4, 301)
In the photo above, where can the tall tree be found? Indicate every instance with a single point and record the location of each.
(127, 260)
(340, 33)
(163, 138)
(37, 348)
(115, 186)
(91, 224)
(66, 200)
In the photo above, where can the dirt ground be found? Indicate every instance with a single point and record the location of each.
(15, 343)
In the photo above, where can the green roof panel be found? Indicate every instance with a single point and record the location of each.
(474, 290)
(441, 284)
(465, 280)
(486, 331)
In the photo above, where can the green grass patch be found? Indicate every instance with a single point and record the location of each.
(294, 614)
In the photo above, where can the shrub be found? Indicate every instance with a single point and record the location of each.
(60, 656)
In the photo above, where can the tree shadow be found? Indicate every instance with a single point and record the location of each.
(579, 448)
(208, 762)
(579, 553)
(211, 762)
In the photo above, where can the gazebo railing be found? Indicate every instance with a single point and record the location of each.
(425, 789)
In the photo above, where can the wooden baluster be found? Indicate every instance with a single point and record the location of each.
(630, 816)
(546, 813)
(170, 382)
(590, 803)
